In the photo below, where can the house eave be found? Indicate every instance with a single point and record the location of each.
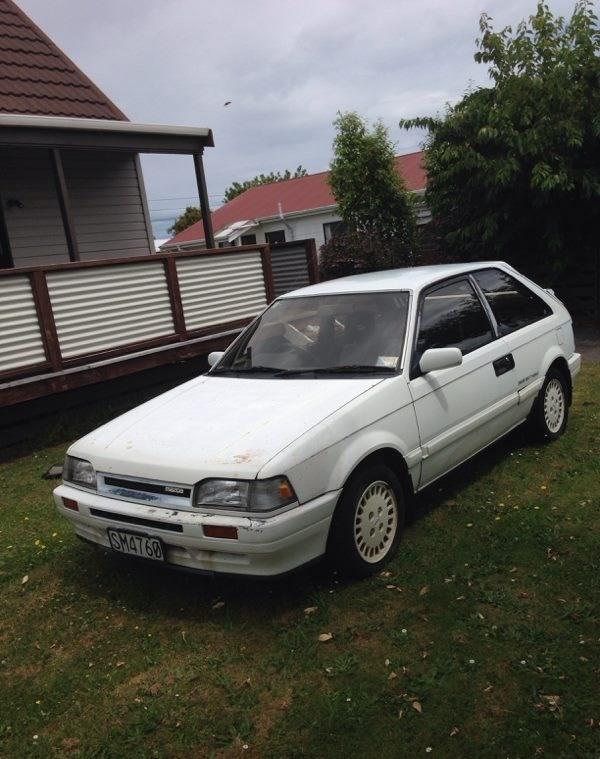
(63, 132)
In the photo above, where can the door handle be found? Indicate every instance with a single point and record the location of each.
(504, 364)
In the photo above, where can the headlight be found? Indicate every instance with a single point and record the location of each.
(245, 495)
(79, 472)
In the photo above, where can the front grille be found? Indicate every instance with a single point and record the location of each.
(136, 520)
(150, 492)
(149, 487)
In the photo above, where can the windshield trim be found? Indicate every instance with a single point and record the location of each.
(212, 372)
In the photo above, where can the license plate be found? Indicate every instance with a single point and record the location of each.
(134, 544)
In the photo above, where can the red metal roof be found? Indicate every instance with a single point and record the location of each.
(295, 195)
(37, 78)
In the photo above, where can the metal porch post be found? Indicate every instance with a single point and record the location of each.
(204, 206)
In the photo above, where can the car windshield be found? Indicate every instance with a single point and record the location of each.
(355, 333)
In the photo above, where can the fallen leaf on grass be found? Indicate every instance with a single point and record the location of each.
(385, 574)
(310, 609)
(392, 676)
(424, 590)
(454, 731)
(553, 702)
(218, 605)
(120, 664)
(324, 637)
(25, 580)
(417, 707)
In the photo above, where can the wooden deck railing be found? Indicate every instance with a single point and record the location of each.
(57, 318)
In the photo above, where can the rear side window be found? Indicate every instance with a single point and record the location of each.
(513, 304)
(452, 317)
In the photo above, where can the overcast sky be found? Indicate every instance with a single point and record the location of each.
(286, 66)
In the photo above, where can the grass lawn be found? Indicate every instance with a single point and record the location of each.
(482, 640)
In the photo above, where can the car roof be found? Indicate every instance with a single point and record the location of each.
(411, 278)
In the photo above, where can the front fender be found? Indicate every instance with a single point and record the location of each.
(328, 469)
(363, 446)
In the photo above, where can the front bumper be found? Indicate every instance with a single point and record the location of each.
(265, 546)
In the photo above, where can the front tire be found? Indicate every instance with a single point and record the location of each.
(550, 412)
(368, 521)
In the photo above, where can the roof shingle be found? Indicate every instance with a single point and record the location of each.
(36, 77)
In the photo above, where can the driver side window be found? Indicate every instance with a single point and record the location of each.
(452, 317)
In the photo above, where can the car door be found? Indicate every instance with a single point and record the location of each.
(464, 408)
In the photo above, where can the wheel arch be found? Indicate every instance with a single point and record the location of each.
(392, 458)
(561, 365)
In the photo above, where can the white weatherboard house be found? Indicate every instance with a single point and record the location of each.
(296, 209)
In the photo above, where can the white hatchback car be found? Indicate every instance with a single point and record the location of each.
(310, 434)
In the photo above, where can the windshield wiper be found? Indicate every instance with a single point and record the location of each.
(247, 369)
(347, 369)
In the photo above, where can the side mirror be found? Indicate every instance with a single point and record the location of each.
(215, 357)
(440, 358)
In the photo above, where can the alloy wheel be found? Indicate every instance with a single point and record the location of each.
(376, 521)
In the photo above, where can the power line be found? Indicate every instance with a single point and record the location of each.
(183, 197)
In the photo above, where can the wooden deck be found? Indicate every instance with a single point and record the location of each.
(74, 324)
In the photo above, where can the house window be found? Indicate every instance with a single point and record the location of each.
(274, 237)
(333, 228)
(6, 261)
(248, 240)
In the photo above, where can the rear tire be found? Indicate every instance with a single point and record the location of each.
(367, 523)
(550, 411)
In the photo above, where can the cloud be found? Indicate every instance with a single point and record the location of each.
(286, 67)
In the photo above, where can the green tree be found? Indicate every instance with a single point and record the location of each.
(190, 216)
(237, 188)
(377, 210)
(514, 168)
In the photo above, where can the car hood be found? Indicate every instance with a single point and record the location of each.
(215, 426)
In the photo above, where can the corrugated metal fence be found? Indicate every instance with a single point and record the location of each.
(60, 320)
(290, 270)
